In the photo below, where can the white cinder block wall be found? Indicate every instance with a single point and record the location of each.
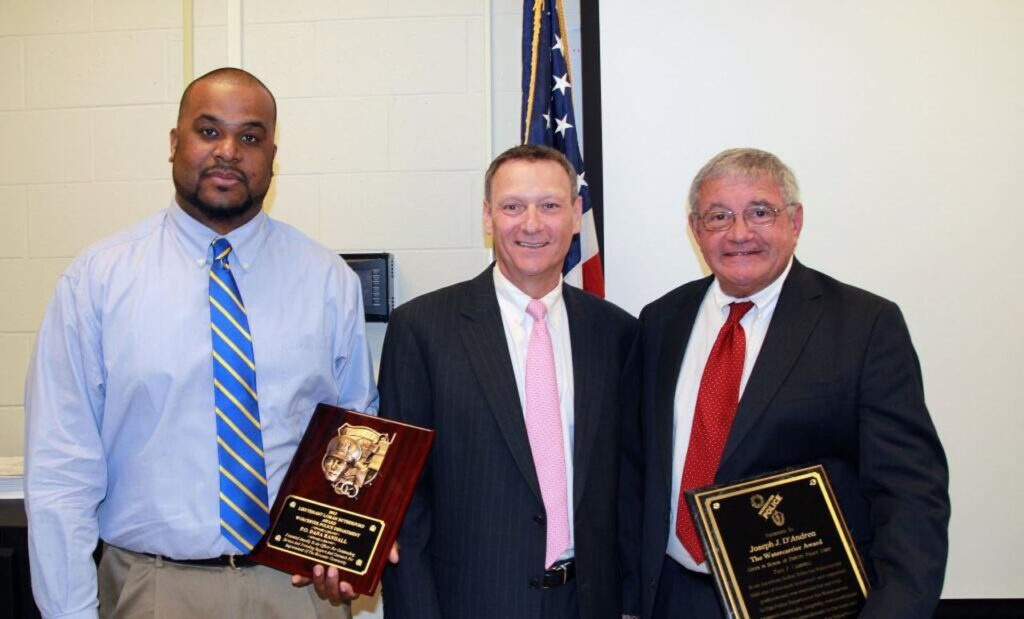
(87, 93)
(386, 123)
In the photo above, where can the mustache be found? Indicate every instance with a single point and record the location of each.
(222, 168)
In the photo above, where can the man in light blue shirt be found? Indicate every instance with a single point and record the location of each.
(121, 431)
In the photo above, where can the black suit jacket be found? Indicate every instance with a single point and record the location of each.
(472, 544)
(836, 382)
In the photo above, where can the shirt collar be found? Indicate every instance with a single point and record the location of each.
(245, 240)
(510, 296)
(764, 300)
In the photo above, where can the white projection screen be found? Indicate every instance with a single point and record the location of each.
(904, 122)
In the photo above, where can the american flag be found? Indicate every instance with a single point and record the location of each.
(548, 119)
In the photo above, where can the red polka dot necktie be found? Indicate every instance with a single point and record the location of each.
(717, 400)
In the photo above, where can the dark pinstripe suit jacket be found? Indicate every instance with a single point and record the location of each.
(837, 382)
(473, 539)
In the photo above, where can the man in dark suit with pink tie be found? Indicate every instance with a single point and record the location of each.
(525, 381)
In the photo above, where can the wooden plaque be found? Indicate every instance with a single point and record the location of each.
(344, 496)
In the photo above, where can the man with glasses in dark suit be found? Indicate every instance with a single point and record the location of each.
(767, 364)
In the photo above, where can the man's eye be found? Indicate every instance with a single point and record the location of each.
(510, 207)
(550, 206)
(718, 216)
(208, 132)
(250, 139)
(759, 212)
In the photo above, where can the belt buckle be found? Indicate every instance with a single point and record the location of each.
(564, 570)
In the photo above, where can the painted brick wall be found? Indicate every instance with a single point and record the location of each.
(87, 91)
(382, 133)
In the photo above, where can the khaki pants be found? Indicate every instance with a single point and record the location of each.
(135, 586)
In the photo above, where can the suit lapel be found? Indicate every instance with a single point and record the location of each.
(483, 336)
(796, 315)
(588, 378)
(670, 361)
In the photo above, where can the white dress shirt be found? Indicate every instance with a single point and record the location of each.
(712, 315)
(518, 327)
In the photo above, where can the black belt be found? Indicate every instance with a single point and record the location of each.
(559, 574)
(235, 561)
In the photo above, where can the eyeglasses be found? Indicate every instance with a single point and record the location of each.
(758, 216)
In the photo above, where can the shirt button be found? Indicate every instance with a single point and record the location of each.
(538, 519)
(535, 583)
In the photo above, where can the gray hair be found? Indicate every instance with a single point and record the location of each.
(748, 162)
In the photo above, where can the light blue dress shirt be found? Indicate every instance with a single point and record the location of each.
(120, 427)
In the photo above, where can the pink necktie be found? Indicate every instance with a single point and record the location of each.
(717, 400)
(544, 427)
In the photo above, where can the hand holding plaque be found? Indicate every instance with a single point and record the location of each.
(777, 545)
(342, 501)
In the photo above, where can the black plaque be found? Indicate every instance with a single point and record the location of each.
(777, 546)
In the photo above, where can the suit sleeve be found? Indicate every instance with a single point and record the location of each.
(905, 477)
(409, 589)
(630, 481)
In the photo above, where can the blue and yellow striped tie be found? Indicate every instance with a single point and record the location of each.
(244, 515)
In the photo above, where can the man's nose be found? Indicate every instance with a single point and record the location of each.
(740, 230)
(226, 149)
(532, 221)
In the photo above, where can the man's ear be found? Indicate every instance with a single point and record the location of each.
(797, 219)
(577, 212)
(488, 220)
(174, 144)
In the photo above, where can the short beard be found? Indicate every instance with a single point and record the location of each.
(212, 212)
(220, 213)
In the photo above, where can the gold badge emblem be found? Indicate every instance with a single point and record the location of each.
(354, 457)
(769, 508)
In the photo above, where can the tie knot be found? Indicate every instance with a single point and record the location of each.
(738, 311)
(221, 249)
(536, 309)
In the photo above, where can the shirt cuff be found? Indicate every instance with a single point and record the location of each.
(89, 613)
